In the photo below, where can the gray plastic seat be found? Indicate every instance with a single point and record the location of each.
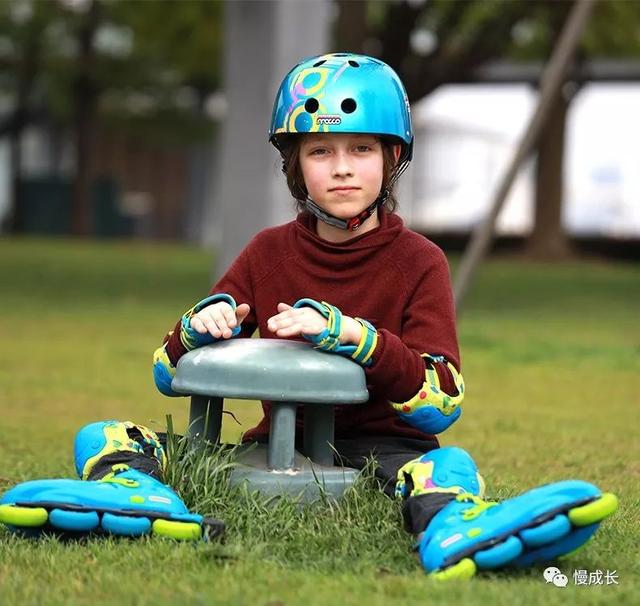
(289, 374)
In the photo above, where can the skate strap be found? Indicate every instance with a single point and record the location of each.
(479, 505)
(113, 477)
(126, 438)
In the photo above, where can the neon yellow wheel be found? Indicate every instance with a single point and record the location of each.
(463, 570)
(595, 511)
(182, 531)
(26, 517)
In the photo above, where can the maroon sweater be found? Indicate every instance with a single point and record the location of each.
(391, 276)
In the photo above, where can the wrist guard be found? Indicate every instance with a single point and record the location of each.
(163, 369)
(329, 338)
(191, 338)
(431, 410)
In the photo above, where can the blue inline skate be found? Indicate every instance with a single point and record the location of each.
(471, 534)
(114, 497)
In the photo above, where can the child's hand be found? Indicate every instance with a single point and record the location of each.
(291, 322)
(218, 319)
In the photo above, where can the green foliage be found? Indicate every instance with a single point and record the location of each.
(614, 30)
(153, 63)
(184, 37)
(533, 25)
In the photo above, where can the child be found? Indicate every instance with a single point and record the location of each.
(349, 277)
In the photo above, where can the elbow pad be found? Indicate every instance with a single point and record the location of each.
(432, 410)
(329, 338)
(163, 372)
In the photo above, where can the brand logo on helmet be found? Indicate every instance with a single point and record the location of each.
(328, 119)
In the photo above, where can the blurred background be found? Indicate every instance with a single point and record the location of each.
(148, 119)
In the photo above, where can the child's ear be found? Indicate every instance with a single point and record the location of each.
(396, 152)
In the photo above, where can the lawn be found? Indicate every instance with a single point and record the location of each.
(551, 361)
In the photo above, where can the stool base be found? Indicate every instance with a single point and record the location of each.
(306, 480)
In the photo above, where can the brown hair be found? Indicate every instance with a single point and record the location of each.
(290, 151)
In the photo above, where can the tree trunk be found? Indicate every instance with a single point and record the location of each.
(86, 97)
(548, 240)
(14, 126)
(351, 26)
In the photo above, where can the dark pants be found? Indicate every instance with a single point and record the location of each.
(390, 454)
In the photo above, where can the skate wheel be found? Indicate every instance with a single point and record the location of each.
(596, 511)
(547, 532)
(183, 531)
(562, 548)
(125, 525)
(27, 517)
(499, 554)
(464, 569)
(75, 521)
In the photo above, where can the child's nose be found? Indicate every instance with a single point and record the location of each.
(342, 165)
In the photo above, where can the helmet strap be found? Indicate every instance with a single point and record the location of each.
(351, 224)
(354, 223)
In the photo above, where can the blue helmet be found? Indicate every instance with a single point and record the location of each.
(343, 93)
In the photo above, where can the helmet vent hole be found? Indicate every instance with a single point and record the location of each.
(319, 63)
(348, 106)
(353, 63)
(311, 105)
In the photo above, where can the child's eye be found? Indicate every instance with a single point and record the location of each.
(363, 148)
(319, 151)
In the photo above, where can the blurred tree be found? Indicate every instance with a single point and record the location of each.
(21, 32)
(145, 67)
(435, 42)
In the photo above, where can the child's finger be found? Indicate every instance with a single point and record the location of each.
(198, 325)
(290, 331)
(228, 315)
(280, 320)
(284, 307)
(211, 326)
(273, 324)
(242, 311)
(221, 322)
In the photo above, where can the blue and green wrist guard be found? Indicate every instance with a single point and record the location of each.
(163, 369)
(329, 338)
(190, 337)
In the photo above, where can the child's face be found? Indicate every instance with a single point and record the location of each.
(342, 172)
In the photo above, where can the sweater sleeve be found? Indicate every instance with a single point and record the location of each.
(237, 282)
(428, 326)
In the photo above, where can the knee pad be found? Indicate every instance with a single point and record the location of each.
(100, 445)
(443, 470)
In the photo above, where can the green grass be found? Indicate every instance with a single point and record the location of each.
(552, 369)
